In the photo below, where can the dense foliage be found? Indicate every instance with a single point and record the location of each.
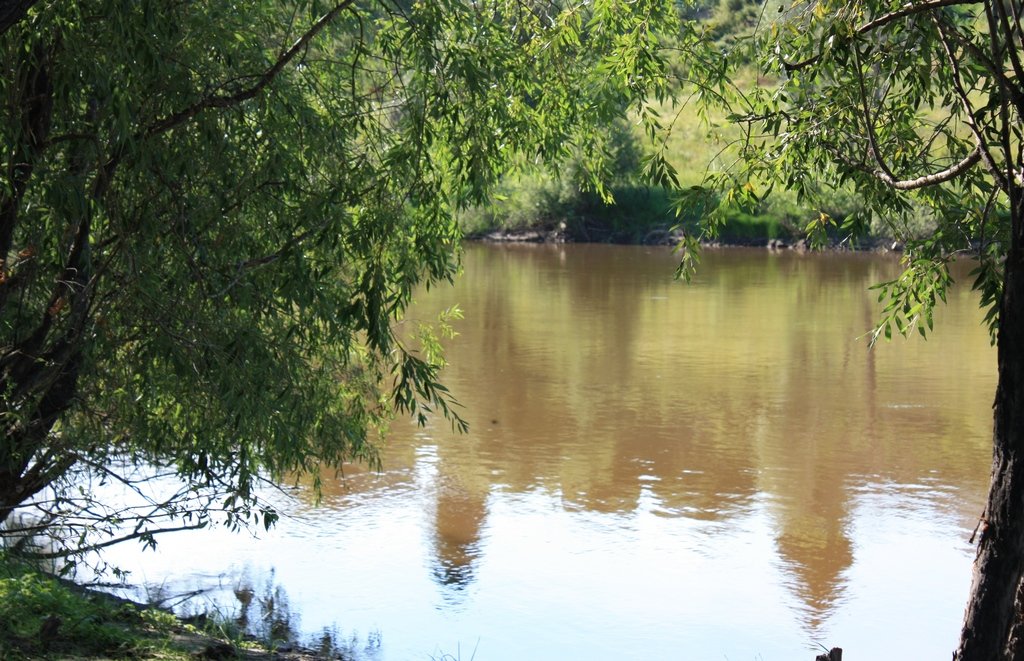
(212, 216)
(916, 108)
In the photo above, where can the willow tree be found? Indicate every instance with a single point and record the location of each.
(213, 215)
(919, 107)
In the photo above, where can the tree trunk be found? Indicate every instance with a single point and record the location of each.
(993, 627)
(12, 11)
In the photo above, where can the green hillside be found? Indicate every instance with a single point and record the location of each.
(540, 204)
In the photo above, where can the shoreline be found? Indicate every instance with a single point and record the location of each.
(51, 610)
(663, 237)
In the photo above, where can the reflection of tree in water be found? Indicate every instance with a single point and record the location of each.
(607, 384)
(458, 521)
(815, 550)
(807, 478)
(265, 613)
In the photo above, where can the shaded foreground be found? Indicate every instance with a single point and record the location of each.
(46, 617)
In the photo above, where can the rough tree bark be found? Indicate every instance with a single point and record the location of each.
(12, 11)
(37, 377)
(993, 625)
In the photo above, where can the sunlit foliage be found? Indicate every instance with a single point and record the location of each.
(213, 215)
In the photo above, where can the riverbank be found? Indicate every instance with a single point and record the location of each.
(660, 236)
(42, 616)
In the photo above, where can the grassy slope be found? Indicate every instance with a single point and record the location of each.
(42, 617)
(540, 201)
(537, 200)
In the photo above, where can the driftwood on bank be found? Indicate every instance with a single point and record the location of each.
(835, 654)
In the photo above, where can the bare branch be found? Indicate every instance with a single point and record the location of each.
(949, 173)
(52, 555)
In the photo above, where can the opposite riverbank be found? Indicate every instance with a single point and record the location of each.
(660, 236)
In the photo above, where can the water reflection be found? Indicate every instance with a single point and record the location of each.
(815, 548)
(458, 521)
(589, 373)
(655, 470)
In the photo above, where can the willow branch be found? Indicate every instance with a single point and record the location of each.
(949, 173)
(182, 117)
(907, 10)
(229, 100)
(35, 114)
(965, 100)
(884, 173)
(869, 124)
(1016, 93)
(1004, 24)
(1004, 110)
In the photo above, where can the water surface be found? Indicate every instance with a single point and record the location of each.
(654, 470)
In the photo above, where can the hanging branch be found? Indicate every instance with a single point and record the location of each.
(908, 10)
(268, 76)
(965, 100)
(884, 173)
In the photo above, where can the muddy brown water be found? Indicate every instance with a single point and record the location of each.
(654, 470)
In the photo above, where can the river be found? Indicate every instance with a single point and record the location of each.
(654, 470)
